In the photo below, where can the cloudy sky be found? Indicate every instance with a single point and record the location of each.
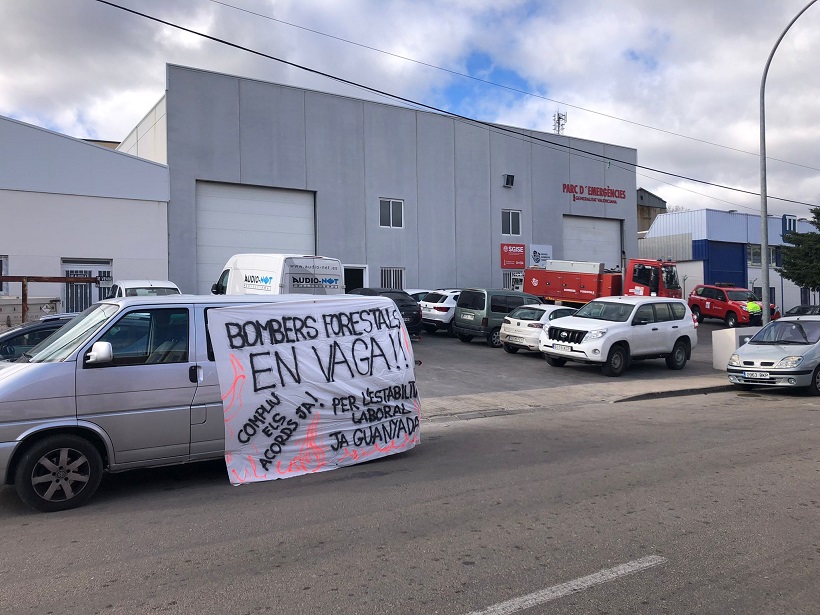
(677, 80)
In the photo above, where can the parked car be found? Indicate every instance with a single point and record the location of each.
(784, 353)
(481, 311)
(409, 307)
(438, 309)
(728, 303)
(129, 383)
(143, 288)
(521, 328)
(18, 340)
(611, 331)
(803, 310)
(417, 293)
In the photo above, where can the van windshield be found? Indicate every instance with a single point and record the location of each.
(66, 340)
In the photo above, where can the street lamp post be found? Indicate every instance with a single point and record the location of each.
(764, 216)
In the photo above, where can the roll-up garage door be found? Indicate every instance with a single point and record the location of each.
(595, 240)
(234, 219)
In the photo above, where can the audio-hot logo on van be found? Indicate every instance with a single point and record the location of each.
(314, 282)
(257, 282)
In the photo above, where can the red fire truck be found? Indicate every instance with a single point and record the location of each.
(577, 282)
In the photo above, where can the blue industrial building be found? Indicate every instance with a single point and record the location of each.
(713, 246)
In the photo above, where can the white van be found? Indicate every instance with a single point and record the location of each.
(279, 274)
(143, 288)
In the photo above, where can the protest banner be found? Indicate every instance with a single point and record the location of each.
(311, 385)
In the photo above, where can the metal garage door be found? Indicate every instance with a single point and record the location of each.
(595, 240)
(233, 219)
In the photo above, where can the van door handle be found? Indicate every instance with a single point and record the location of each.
(192, 371)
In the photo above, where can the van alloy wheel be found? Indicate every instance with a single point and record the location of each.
(58, 472)
(494, 338)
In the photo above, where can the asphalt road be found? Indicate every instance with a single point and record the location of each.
(702, 503)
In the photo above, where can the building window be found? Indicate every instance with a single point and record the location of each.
(510, 222)
(4, 270)
(391, 213)
(392, 277)
(753, 258)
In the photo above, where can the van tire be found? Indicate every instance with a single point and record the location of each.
(494, 338)
(53, 464)
(464, 338)
(616, 361)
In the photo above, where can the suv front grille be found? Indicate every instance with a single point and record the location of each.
(566, 336)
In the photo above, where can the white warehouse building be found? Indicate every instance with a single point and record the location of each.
(404, 198)
(72, 208)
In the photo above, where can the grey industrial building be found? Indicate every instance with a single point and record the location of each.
(402, 197)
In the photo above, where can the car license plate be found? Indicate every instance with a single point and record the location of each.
(513, 338)
(406, 319)
(562, 347)
(757, 375)
(469, 316)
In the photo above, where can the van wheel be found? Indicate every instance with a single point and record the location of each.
(696, 313)
(58, 473)
(555, 361)
(731, 320)
(464, 338)
(494, 338)
(677, 358)
(616, 361)
(510, 349)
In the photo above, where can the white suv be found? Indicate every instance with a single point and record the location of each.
(438, 308)
(613, 330)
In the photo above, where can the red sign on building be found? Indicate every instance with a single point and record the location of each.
(513, 255)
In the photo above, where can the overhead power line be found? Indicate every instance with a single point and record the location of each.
(471, 121)
(507, 87)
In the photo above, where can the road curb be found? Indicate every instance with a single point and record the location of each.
(723, 388)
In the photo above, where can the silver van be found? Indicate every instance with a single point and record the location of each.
(480, 312)
(128, 383)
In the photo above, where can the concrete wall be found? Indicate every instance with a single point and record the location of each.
(40, 230)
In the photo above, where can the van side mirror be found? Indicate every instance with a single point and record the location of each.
(101, 352)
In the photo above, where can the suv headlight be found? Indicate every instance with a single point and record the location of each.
(789, 362)
(744, 308)
(594, 335)
(734, 361)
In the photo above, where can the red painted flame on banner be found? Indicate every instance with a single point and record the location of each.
(311, 457)
(234, 394)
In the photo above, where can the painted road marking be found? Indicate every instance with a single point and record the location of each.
(571, 587)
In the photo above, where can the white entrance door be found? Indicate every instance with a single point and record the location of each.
(236, 219)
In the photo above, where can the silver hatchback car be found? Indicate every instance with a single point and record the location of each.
(522, 327)
(784, 353)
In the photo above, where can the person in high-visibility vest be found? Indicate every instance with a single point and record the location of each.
(755, 311)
